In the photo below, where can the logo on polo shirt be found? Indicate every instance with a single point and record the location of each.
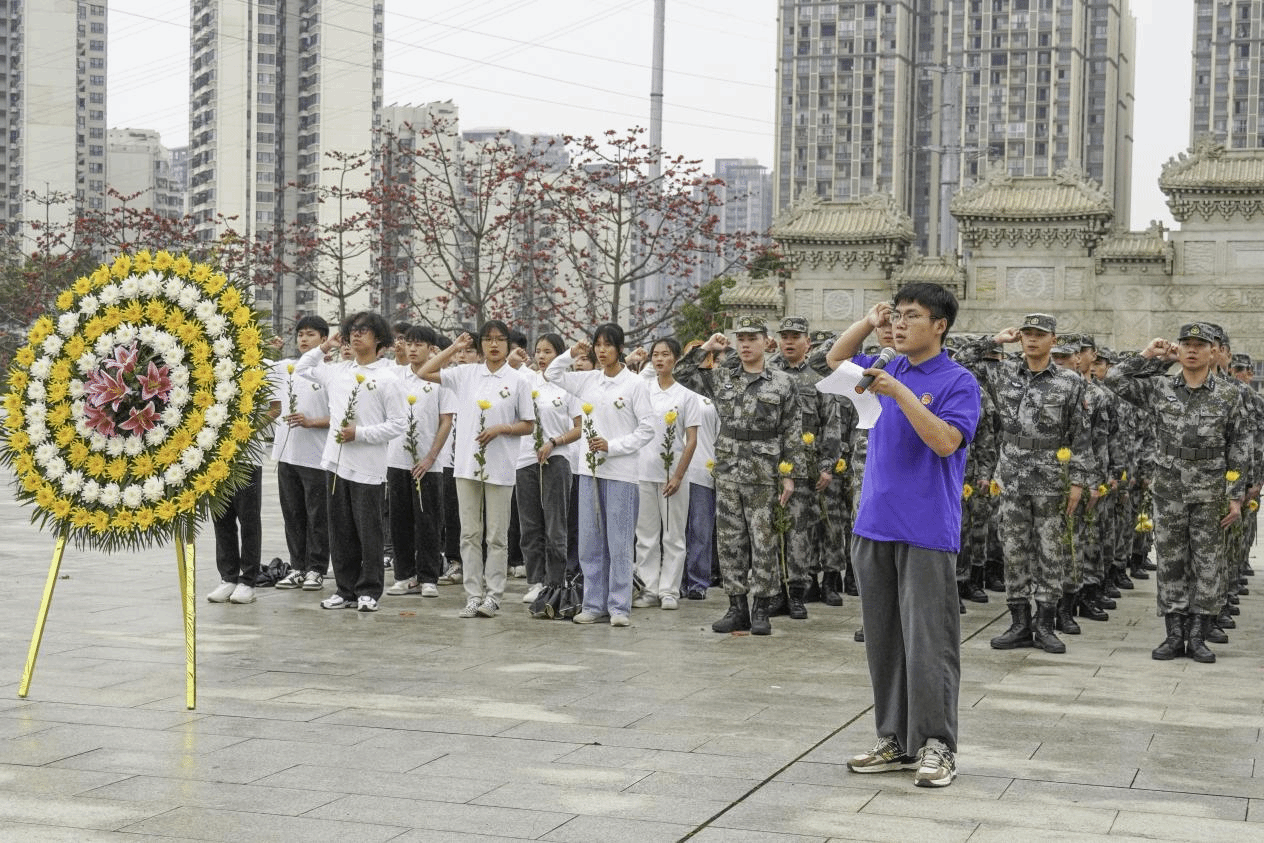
(927, 398)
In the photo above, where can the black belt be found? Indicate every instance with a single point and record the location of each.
(1190, 453)
(1031, 443)
(748, 435)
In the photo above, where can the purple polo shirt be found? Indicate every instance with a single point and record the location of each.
(911, 494)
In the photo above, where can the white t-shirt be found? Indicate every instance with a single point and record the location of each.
(508, 399)
(683, 401)
(428, 402)
(300, 446)
(557, 412)
(380, 414)
(704, 454)
(620, 415)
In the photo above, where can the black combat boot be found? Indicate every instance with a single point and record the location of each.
(859, 635)
(779, 604)
(1196, 627)
(1247, 570)
(1214, 634)
(1174, 645)
(849, 582)
(797, 592)
(1064, 620)
(1102, 601)
(978, 594)
(812, 592)
(994, 577)
(1122, 580)
(1019, 632)
(1242, 590)
(832, 588)
(759, 623)
(1109, 590)
(1089, 603)
(1136, 567)
(1042, 635)
(737, 618)
(1224, 620)
(1233, 599)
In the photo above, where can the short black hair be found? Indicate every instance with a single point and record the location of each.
(610, 332)
(401, 328)
(493, 323)
(672, 345)
(559, 345)
(421, 333)
(939, 300)
(312, 322)
(517, 339)
(442, 341)
(375, 323)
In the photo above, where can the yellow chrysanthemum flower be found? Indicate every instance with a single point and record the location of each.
(31, 481)
(78, 454)
(18, 379)
(117, 469)
(809, 438)
(967, 491)
(587, 408)
(95, 465)
(251, 357)
(1232, 476)
(44, 495)
(144, 262)
(100, 276)
(163, 261)
(65, 299)
(123, 520)
(671, 417)
(229, 300)
(217, 471)
(73, 348)
(215, 283)
(1252, 505)
(535, 393)
(1064, 455)
(41, 329)
(994, 488)
(25, 356)
(165, 510)
(100, 521)
(182, 266)
(203, 399)
(64, 436)
(122, 267)
(132, 312)
(412, 399)
(227, 449)
(203, 484)
(175, 318)
(143, 466)
(201, 273)
(60, 508)
(248, 336)
(19, 441)
(14, 420)
(1103, 490)
(840, 466)
(360, 378)
(242, 316)
(290, 370)
(80, 517)
(484, 404)
(710, 465)
(145, 518)
(785, 468)
(82, 286)
(186, 501)
(242, 430)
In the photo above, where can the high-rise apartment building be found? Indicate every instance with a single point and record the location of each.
(52, 115)
(916, 99)
(276, 85)
(140, 173)
(1228, 77)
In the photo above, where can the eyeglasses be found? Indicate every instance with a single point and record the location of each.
(361, 329)
(497, 338)
(906, 316)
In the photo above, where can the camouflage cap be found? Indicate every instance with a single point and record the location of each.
(1198, 331)
(1040, 322)
(797, 324)
(1221, 334)
(750, 325)
(1065, 349)
(1240, 361)
(823, 337)
(1104, 353)
(1087, 341)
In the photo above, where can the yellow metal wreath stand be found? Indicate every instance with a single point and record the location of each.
(186, 562)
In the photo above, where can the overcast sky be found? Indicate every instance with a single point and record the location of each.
(561, 66)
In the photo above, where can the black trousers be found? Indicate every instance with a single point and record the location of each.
(304, 511)
(451, 519)
(240, 562)
(355, 536)
(416, 521)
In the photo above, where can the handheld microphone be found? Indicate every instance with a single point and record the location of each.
(886, 356)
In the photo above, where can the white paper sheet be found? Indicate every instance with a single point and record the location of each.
(843, 381)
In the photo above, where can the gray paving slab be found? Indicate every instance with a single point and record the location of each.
(414, 725)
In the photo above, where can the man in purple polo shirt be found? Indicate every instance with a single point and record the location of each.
(908, 531)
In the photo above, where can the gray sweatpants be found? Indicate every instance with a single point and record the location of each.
(912, 626)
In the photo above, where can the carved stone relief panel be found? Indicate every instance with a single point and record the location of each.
(1246, 254)
(1029, 282)
(1073, 287)
(840, 305)
(1200, 256)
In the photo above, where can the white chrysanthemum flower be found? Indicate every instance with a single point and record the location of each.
(205, 310)
(125, 333)
(130, 286)
(164, 342)
(110, 495)
(191, 458)
(46, 452)
(133, 445)
(133, 495)
(225, 370)
(87, 362)
(98, 441)
(179, 375)
(147, 334)
(89, 305)
(67, 324)
(114, 447)
(91, 491)
(81, 427)
(153, 489)
(225, 392)
(52, 344)
(72, 483)
(206, 438)
(55, 469)
(104, 344)
(77, 389)
(216, 415)
(36, 412)
(171, 289)
(216, 325)
(42, 367)
(38, 432)
(150, 283)
(178, 398)
(35, 391)
(156, 435)
(175, 356)
(188, 297)
(222, 347)
(174, 476)
(110, 294)
(171, 416)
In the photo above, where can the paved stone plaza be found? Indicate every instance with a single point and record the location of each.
(411, 724)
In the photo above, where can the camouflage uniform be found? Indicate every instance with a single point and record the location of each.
(1090, 529)
(1200, 435)
(1040, 413)
(760, 427)
(976, 509)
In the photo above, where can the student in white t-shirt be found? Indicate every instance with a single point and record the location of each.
(366, 411)
(493, 409)
(297, 446)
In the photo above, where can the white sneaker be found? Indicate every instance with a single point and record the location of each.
(294, 579)
(335, 601)
(488, 608)
(366, 604)
(313, 581)
(617, 619)
(452, 576)
(242, 594)
(518, 572)
(667, 602)
(222, 592)
(588, 617)
(429, 589)
(471, 608)
(645, 601)
(533, 592)
(404, 587)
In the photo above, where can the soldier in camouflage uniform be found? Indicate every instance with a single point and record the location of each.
(975, 506)
(1125, 453)
(1198, 479)
(822, 437)
(834, 556)
(1244, 371)
(1042, 412)
(761, 428)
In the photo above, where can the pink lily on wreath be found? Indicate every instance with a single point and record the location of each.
(124, 359)
(141, 420)
(98, 419)
(104, 388)
(155, 382)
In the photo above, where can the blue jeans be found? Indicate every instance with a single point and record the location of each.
(607, 545)
(699, 539)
